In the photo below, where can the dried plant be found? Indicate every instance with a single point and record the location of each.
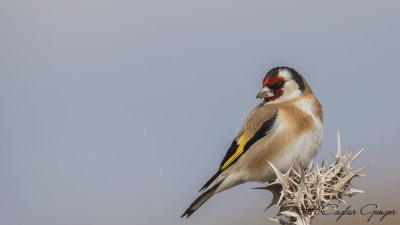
(301, 194)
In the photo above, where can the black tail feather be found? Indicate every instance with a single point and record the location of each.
(211, 180)
(200, 200)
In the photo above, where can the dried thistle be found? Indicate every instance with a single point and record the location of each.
(302, 194)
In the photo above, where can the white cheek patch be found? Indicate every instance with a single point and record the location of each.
(290, 91)
(291, 85)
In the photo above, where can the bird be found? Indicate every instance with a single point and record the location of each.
(284, 128)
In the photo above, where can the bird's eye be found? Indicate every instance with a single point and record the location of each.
(281, 83)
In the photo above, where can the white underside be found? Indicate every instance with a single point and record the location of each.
(304, 147)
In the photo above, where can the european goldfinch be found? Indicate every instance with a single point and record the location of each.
(287, 125)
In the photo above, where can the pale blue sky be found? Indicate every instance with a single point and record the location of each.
(117, 112)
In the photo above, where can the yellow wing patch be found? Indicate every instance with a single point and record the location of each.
(242, 142)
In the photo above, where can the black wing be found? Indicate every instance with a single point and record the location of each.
(237, 149)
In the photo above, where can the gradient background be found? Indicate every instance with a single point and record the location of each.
(117, 112)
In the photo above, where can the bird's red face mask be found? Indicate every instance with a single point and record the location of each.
(272, 88)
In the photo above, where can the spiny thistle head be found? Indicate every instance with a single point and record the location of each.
(300, 194)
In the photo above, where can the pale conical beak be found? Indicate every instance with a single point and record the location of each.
(265, 93)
